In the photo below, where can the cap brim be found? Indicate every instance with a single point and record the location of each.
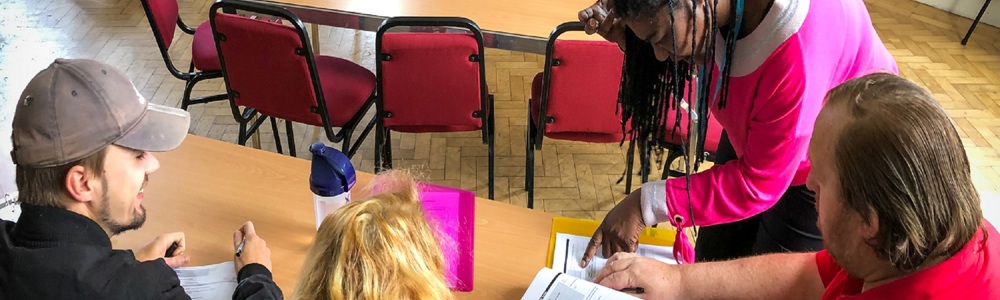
(161, 129)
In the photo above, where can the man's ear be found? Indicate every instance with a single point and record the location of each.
(80, 185)
(870, 226)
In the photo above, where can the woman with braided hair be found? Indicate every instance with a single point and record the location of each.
(762, 68)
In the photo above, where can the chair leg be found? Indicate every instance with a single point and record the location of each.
(187, 95)
(241, 138)
(188, 86)
(629, 162)
(277, 136)
(976, 22)
(644, 163)
(492, 151)
(379, 144)
(345, 145)
(361, 139)
(291, 137)
(529, 163)
(672, 155)
(529, 152)
(388, 149)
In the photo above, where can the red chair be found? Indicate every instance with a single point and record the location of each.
(431, 82)
(575, 98)
(270, 69)
(162, 16)
(675, 141)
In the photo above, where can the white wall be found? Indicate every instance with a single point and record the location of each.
(969, 9)
(991, 206)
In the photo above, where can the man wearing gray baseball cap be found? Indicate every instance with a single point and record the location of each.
(82, 137)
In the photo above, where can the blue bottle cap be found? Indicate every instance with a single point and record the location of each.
(332, 173)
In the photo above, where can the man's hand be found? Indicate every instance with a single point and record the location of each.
(629, 270)
(254, 248)
(620, 229)
(155, 250)
(600, 18)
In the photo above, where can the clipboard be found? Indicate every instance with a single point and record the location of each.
(583, 227)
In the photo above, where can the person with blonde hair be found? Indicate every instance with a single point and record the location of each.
(378, 248)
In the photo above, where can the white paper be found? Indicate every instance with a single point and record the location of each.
(10, 210)
(569, 251)
(211, 282)
(553, 285)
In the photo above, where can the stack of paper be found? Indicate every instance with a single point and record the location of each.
(552, 285)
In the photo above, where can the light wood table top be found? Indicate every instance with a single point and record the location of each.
(511, 25)
(208, 188)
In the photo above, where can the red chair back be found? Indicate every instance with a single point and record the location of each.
(431, 82)
(165, 15)
(582, 94)
(269, 67)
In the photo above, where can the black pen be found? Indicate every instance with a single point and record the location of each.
(634, 290)
(170, 251)
(239, 249)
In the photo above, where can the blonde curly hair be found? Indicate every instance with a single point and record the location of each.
(378, 248)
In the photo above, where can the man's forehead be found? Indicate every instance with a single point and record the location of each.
(828, 127)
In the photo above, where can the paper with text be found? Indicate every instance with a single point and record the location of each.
(211, 282)
(569, 251)
(552, 285)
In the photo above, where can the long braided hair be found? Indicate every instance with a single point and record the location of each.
(650, 89)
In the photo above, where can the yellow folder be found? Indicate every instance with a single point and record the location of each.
(582, 227)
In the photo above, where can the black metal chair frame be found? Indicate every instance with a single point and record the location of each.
(536, 128)
(976, 22)
(245, 116)
(191, 77)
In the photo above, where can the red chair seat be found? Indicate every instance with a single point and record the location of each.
(346, 87)
(203, 52)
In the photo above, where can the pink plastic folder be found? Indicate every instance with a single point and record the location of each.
(453, 213)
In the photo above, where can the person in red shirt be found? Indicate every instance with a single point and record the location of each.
(898, 212)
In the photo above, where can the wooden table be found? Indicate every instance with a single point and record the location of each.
(511, 25)
(207, 189)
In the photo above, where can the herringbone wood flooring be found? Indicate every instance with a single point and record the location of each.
(573, 179)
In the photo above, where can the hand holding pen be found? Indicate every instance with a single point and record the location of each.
(250, 248)
(639, 276)
(169, 246)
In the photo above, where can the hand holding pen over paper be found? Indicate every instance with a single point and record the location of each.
(249, 248)
(640, 276)
(169, 246)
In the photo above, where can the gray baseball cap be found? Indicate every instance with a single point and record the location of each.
(77, 107)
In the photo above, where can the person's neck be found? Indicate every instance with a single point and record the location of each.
(754, 12)
(85, 210)
(887, 273)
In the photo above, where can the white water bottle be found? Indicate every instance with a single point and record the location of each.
(330, 180)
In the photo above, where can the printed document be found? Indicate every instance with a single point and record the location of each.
(211, 282)
(553, 285)
(569, 251)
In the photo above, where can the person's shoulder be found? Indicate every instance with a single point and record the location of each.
(132, 279)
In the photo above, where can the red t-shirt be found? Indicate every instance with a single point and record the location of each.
(973, 273)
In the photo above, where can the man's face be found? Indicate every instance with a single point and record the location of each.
(842, 228)
(125, 175)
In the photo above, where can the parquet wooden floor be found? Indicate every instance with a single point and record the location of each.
(573, 179)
